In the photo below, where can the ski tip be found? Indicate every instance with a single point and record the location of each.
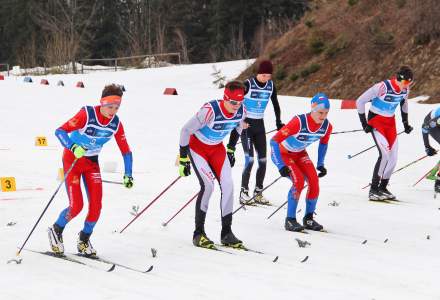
(164, 224)
(111, 268)
(428, 237)
(349, 156)
(275, 259)
(149, 269)
(364, 242)
(305, 259)
(386, 240)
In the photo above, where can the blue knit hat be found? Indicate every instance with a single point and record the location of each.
(320, 101)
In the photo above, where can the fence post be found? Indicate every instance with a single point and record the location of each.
(116, 65)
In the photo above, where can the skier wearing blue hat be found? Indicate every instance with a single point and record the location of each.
(292, 160)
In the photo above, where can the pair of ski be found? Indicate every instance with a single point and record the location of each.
(76, 258)
(224, 249)
(386, 201)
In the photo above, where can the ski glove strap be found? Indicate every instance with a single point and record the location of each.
(128, 181)
(78, 151)
(184, 166)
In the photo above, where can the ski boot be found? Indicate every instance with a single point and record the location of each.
(387, 195)
(311, 224)
(376, 195)
(230, 240)
(292, 225)
(84, 245)
(201, 240)
(259, 198)
(245, 199)
(56, 239)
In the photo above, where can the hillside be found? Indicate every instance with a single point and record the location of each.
(341, 47)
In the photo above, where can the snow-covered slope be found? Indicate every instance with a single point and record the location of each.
(341, 265)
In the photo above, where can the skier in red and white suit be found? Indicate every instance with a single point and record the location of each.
(201, 142)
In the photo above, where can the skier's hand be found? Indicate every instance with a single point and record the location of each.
(230, 151)
(285, 171)
(407, 128)
(322, 171)
(77, 150)
(368, 128)
(430, 151)
(280, 125)
(128, 181)
(184, 166)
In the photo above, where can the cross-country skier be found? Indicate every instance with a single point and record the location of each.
(201, 142)
(83, 137)
(292, 160)
(431, 127)
(258, 91)
(385, 96)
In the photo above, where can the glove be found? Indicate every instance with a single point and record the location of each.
(128, 181)
(78, 151)
(408, 128)
(279, 125)
(430, 151)
(285, 171)
(368, 128)
(230, 151)
(322, 171)
(184, 166)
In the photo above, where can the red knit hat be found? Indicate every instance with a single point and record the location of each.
(265, 67)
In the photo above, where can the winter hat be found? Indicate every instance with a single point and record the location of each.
(265, 67)
(110, 100)
(320, 101)
(404, 73)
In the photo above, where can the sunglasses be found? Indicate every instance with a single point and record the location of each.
(233, 102)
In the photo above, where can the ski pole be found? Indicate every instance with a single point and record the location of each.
(151, 203)
(110, 181)
(347, 131)
(281, 206)
(186, 204)
(47, 205)
(248, 201)
(404, 167)
(365, 150)
(421, 178)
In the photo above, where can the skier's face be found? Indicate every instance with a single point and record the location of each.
(263, 78)
(319, 115)
(109, 111)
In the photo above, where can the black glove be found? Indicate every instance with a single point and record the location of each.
(408, 128)
(430, 151)
(279, 125)
(368, 128)
(322, 171)
(230, 151)
(285, 171)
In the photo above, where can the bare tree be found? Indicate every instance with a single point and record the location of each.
(67, 20)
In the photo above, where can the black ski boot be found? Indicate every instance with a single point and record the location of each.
(375, 194)
(230, 240)
(292, 225)
(201, 240)
(84, 245)
(311, 224)
(387, 195)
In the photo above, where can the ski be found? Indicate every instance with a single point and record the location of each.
(110, 262)
(216, 249)
(246, 249)
(69, 259)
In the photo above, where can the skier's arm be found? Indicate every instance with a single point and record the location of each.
(76, 122)
(291, 128)
(121, 140)
(202, 117)
(373, 92)
(323, 145)
(276, 107)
